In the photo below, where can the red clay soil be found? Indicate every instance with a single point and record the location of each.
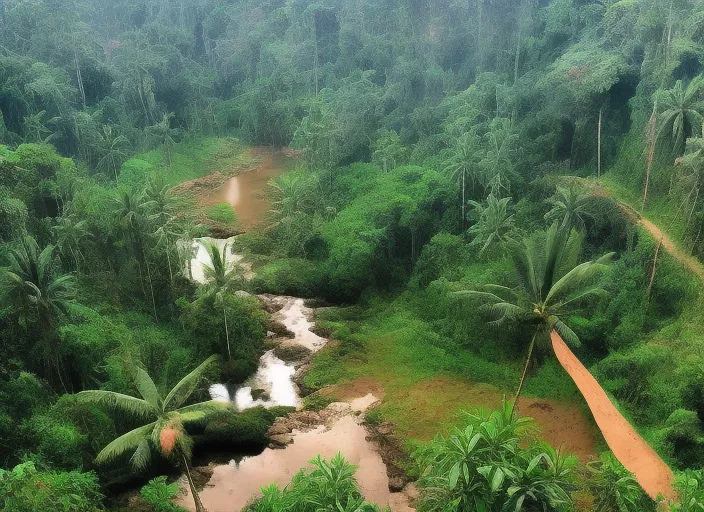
(629, 448)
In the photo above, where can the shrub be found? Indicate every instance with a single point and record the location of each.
(160, 495)
(241, 430)
(683, 440)
(222, 213)
(489, 463)
(615, 488)
(25, 489)
(329, 486)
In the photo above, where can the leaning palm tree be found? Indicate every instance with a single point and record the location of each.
(165, 431)
(220, 276)
(681, 116)
(40, 295)
(495, 224)
(571, 207)
(553, 286)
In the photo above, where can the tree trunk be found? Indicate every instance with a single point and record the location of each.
(196, 497)
(227, 332)
(79, 79)
(598, 144)
(525, 372)
(464, 202)
(652, 275)
(651, 153)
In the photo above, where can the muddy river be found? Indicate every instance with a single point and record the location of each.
(234, 484)
(247, 192)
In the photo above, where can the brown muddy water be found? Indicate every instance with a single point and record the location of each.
(235, 484)
(247, 192)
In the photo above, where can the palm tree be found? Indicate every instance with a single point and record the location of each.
(163, 135)
(495, 223)
(462, 164)
(553, 286)
(572, 206)
(41, 295)
(293, 193)
(159, 208)
(70, 235)
(165, 432)
(498, 162)
(114, 150)
(220, 277)
(129, 209)
(682, 113)
(35, 130)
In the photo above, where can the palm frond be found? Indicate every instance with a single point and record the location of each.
(125, 403)
(577, 277)
(142, 456)
(197, 412)
(566, 333)
(146, 387)
(183, 390)
(125, 443)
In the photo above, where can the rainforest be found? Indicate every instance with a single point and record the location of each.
(351, 255)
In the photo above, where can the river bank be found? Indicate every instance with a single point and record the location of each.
(300, 436)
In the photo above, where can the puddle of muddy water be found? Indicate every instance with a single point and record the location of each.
(233, 485)
(246, 192)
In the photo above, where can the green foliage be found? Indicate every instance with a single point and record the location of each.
(247, 430)
(615, 489)
(690, 490)
(160, 495)
(222, 213)
(330, 485)
(26, 489)
(487, 464)
(494, 224)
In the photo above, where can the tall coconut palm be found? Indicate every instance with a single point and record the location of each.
(499, 157)
(113, 150)
(69, 236)
(163, 135)
(461, 166)
(220, 276)
(681, 115)
(158, 206)
(129, 209)
(165, 432)
(41, 296)
(552, 287)
(571, 207)
(495, 224)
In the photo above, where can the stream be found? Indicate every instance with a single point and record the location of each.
(236, 483)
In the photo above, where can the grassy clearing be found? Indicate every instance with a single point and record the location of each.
(190, 159)
(425, 384)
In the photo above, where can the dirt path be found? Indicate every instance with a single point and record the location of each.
(630, 449)
(686, 260)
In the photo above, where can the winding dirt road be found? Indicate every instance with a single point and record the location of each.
(630, 449)
(686, 260)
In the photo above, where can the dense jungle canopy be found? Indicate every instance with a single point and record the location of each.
(489, 204)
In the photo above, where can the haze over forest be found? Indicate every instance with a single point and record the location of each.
(286, 255)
